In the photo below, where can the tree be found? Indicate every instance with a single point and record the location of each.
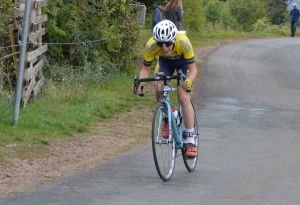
(108, 28)
(276, 10)
(227, 19)
(6, 16)
(205, 2)
(213, 10)
(193, 17)
(218, 11)
(247, 12)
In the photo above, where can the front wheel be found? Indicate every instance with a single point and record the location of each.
(164, 150)
(191, 162)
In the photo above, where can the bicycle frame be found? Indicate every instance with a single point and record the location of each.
(177, 130)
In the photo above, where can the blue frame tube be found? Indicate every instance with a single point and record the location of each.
(175, 129)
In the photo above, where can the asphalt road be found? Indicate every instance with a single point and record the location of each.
(249, 115)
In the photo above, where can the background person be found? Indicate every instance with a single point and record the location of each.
(294, 17)
(157, 13)
(174, 13)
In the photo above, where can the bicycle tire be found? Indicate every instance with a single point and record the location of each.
(191, 162)
(164, 152)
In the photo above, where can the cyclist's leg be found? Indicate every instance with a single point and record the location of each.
(184, 97)
(190, 161)
(188, 112)
(187, 108)
(166, 69)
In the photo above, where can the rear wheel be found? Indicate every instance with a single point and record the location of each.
(164, 150)
(191, 162)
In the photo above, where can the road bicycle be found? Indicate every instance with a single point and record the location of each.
(165, 148)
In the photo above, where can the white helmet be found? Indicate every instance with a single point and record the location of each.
(164, 31)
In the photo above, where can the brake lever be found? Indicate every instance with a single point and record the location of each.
(182, 76)
(136, 85)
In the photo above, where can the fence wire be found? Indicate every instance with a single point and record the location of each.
(72, 43)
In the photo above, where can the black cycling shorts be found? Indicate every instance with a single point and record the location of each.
(168, 66)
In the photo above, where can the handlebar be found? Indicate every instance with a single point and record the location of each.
(160, 76)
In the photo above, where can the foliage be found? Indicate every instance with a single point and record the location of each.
(6, 16)
(216, 11)
(276, 10)
(205, 2)
(212, 11)
(91, 32)
(273, 30)
(229, 21)
(247, 12)
(6, 23)
(261, 24)
(286, 29)
(287, 17)
(194, 16)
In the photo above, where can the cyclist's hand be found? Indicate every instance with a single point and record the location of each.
(139, 90)
(188, 85)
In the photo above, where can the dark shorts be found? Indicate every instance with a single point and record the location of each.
(169, 66)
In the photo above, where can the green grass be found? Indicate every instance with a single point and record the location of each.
(53, 117)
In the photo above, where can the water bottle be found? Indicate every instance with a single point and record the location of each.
(176, 116)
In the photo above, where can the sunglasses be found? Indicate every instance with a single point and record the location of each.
(167, 44)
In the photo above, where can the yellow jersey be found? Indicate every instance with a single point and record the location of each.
(182, 47)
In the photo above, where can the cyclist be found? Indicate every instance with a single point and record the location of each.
(175, 52)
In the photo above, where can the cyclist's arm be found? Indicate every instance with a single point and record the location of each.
(192, 71)
(144, 73)
(187, 49)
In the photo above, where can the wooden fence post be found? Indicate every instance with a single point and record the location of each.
(33, 75)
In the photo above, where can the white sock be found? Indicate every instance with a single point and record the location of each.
(189, 130)
(190, 136)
